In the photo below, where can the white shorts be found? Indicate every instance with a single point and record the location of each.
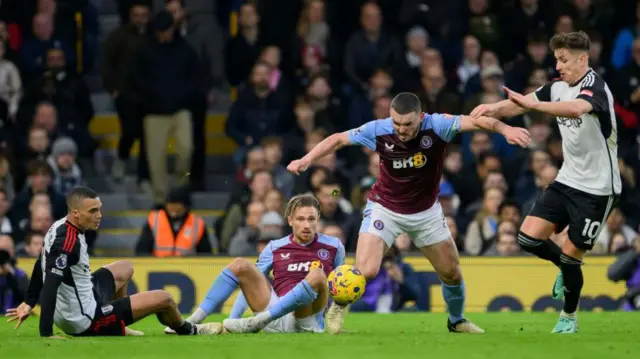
(290, 324)
(425, 228)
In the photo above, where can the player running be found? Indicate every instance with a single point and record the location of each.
(82, 303)
(299, 295)
(412, 146)
(588, 182)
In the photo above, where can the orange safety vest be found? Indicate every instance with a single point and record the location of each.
(168, 245)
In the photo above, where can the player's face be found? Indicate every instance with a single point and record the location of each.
(89, 215)
(304, 222)
(406, 126)
(570, 64)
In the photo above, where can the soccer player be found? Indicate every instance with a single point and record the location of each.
(300, 261)
(588, 182)
(82, 303)
(412, 146)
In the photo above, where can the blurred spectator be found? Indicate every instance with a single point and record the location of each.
(537, 57)
(313, 29)
(564, 24)
(509, 211)
(273, 151)
(312, 65)
(484, 24)
(261, 183)
(329, 194)
(294, 138)
(614, 228)
(527, 17)
(468, 184)
(39, 181)
(627, 82)
(622, 51)
(270, 225)
(327, 108)
(394, 286)
(174, 230)
(247, 233)
(34, 49)
(434, 96)
(37, 148)
(40, 221)
(259, 112)
(33, 244)
(243, 49)
(167, 99)
(369, 49)
(120, 51)
(274, 201)
(589, 16)
(547, 174)
(361, 107)
(69, 93)
(473, 85)
(7, 184)
(526, 185)
(506, 245)
(10, 38)
(5, 203)
(10, 89)
(408, 73)
(334, 230)
(203, 33)
(255, 162)
(448, 199)
(492, 80)
(13, 281)
(627, 268)
(470, 65)
(482, 230)
(596, 61)
(66, 172)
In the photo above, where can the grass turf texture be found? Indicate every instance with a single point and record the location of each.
(509, 335)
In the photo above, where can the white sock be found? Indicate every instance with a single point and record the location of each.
(197, 317)
(568, 315)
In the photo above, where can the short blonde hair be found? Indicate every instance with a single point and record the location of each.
(299, 201)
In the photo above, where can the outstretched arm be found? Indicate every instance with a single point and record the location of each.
(573, 108)
(502, 109)
(447, 126)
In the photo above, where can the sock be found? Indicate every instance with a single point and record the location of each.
(564, 314)
(302, 294)
(220, 291)
(573, 281)
(186, 329)
(454, 296)
(543, 249)
(197, 317)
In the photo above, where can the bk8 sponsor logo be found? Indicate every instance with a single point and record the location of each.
(416, 161)
(303, 266)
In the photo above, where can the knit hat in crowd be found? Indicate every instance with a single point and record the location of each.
(64, 145)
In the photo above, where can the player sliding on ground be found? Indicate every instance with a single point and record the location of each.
(299, 295)
(84, 304)
(412, 147)
(588, 183)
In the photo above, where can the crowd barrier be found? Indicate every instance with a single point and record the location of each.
(493, 284)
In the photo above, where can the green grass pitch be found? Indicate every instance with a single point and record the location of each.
(603, 335)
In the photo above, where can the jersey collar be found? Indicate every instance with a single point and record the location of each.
(582, 78)
(74, 226)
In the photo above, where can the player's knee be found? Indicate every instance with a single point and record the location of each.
(128, 270)
(164, 299)
(316, 278)
(451, 275)
(368, 269)
(239, 265)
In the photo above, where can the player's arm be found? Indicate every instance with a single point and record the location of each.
(61, 256)
(35, 284)
(447, 126)
(264, 264)
(364, 135)
(503, 109)
(340, 256)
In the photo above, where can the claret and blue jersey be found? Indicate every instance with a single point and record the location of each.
(410, 171)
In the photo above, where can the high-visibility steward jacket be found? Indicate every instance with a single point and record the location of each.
(182, 244)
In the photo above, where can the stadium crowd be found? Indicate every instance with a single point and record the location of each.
(300, 70)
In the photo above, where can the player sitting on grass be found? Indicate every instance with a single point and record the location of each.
(300, 263)
(82, 303)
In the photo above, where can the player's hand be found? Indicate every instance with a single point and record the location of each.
(520, 99)
(483, 110)
(297, 166)
(20, 314)
(517, 136)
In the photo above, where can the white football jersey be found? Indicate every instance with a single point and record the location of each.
(589, 142)
(65, 247)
